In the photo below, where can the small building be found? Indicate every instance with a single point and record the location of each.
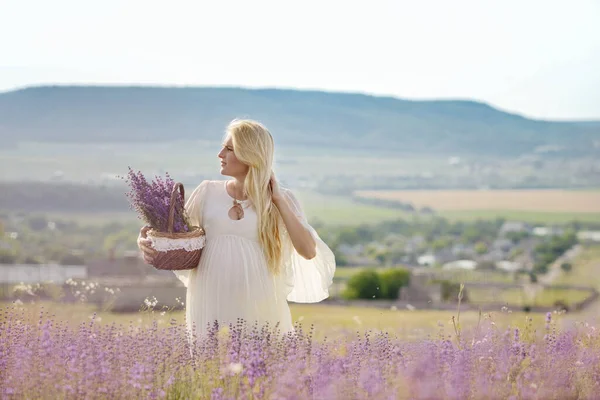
(493, 256)
(460, 264)
(544, 231)
(514, 226)
(351, 251)
(501, 244)
(439, 257)
(426, 260)
(509, 266)
(462, 250)
(589, 236)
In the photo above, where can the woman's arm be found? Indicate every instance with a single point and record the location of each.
(303, 241)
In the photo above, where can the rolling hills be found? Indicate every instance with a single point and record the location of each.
(94, 114)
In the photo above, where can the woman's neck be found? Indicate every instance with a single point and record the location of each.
(237, 188)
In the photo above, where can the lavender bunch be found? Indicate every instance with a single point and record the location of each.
(151, 200)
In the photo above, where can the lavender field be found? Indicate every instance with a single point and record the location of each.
(50, 355)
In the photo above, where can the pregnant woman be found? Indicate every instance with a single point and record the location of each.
(260, 251)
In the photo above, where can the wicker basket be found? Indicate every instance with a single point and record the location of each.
(183, 248)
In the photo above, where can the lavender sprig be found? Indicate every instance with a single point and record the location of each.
(152, 199)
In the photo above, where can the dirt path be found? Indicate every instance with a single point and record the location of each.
(554, 271)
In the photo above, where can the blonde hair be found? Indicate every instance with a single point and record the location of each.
(253, 145)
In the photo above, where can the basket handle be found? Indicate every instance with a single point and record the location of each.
(178, 187)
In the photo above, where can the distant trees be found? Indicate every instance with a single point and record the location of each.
(7, 257)
(373, 284)
(548, 251)
(363, 285)
(567, 267)
(46, 196)
(392, 280)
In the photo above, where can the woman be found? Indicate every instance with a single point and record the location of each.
(260, 251)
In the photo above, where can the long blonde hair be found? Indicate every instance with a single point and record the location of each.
(253, 145)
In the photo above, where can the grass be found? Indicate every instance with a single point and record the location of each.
(340, 210)
(347, 272)
(343, 211)
(328, 320)
(454, 276)
(519, 297)
(586, 269)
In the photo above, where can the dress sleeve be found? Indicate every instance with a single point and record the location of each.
(309, 279)
(193, 208)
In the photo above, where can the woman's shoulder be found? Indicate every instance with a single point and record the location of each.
(205, 187)
(210, 182)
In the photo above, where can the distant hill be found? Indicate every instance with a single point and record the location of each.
(131, 114)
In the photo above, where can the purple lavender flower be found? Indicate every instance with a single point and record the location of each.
(151, 200)
(46, 358)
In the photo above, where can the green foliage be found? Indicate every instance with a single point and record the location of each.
(365, 284)
(481, 248)
(450, 291)
(353, 235)
(373, 284)
(340, 259)
(567, 267)
(7, 256)
(440, 243)
(533, 277)
(547, 252)
(53, 196)
(516, 237)
(392, 280)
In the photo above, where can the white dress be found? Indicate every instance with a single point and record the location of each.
(232, 281)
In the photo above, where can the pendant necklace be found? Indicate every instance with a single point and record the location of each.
(236, 212)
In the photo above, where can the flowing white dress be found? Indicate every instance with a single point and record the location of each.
(232, 281)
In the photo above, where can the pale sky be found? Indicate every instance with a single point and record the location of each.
(536, 58)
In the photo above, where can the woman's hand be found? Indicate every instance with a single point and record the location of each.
(145, 245)
(276, 195)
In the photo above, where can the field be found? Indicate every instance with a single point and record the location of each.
(56, 351)
(339, 210)
(529, 205)
(190, 161)
(59, 350)
(519, 200)
(328, 320)
(586, 270)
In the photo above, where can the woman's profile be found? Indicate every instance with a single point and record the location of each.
(260, 250)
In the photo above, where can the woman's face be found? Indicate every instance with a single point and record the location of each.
(230, 165)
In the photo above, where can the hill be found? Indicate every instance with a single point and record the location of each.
(93, 114)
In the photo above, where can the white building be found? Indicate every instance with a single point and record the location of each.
(509, 266)
(589, 236)
(461, 264)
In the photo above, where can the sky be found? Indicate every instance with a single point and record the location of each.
(536, 58)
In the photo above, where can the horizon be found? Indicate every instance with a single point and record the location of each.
(330, 92)
(539, 59)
